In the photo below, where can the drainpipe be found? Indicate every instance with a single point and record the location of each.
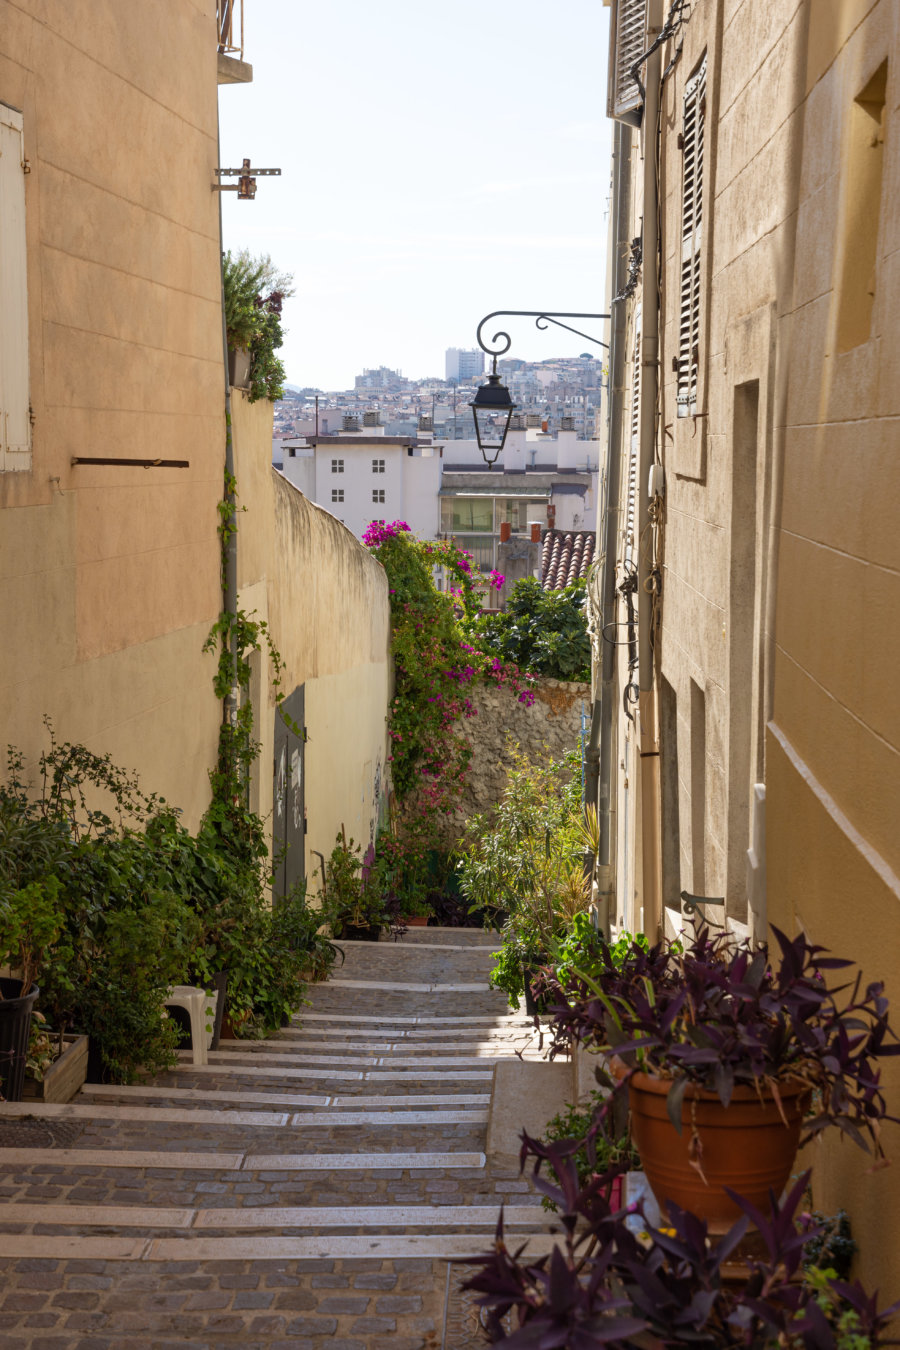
(599, 758)
(649, 740)
(229, 546)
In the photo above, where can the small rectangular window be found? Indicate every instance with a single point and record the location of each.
(863, 169)
(378, 494)
(337, 466)
(378, 466)
(337, 494)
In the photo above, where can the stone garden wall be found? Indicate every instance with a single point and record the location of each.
(546, 730)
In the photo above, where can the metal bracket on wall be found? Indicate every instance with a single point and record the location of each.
(693, 904)
(245, 187)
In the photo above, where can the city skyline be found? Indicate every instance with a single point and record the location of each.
(418, 193)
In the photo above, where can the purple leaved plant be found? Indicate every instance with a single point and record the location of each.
(605, 1285)
(717, 1014)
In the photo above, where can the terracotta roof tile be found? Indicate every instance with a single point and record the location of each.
(567, 555)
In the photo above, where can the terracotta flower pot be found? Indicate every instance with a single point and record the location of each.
(745, 1146)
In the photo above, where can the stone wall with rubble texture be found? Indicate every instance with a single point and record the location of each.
(546, 730)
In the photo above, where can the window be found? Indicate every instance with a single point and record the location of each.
(378, 466)
(337, 466)
(863, 172)
(691, 240)
(337, 494)
(15, 413)
(378, 495)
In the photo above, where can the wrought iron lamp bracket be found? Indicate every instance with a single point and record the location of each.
(542, 319)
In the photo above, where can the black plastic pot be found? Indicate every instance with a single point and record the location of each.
(15, 1024)
(352, 932)
(533, 1006)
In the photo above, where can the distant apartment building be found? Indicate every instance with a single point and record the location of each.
(382, 378)
(463, 365)
(361, 475)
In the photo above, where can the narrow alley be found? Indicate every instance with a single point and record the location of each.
(304, 1192)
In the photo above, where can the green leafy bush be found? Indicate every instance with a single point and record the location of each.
(543, 632)
(122, 902)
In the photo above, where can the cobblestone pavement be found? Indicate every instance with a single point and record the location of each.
(300, 1193)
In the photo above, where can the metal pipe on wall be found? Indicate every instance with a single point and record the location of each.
(600, 756)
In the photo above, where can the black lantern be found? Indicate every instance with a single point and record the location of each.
(492, 409)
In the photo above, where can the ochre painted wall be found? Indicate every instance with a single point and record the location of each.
(109, 576)
(326, 600)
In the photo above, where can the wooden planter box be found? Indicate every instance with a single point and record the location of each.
(65, 1075)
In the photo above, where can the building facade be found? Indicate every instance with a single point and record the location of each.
(460, 364)
(752, 453)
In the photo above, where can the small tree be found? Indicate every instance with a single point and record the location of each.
(544, 632)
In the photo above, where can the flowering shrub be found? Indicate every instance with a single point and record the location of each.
(434, 666)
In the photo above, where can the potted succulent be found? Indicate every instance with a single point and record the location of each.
(729, 1058)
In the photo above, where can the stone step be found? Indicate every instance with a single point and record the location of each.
(238, 1161)
(274, 1052)
(174, 1095)
(280, 1217)
(249, 1247)
(262, 1070)
(154, 1115)
(419, 1020)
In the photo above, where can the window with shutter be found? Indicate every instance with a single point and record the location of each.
(628, 42)
(691, 241)
(15, 420)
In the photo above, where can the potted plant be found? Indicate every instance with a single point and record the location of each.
(577, 1130)
(55, 1065)
(724, 1053)
(352, 904)
(254, 293)
(30, 921)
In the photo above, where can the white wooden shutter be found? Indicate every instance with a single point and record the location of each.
(635, 449)
(628, 42)
(691, 241)
(15, 422)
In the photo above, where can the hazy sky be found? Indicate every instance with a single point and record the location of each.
(438, 161)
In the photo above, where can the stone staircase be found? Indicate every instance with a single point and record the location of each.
(309, 1191)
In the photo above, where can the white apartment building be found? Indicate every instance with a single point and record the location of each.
(460, 364)
(364, 475)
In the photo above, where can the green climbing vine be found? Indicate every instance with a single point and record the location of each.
(237, 635)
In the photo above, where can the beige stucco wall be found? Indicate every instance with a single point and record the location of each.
(780, 562)
(833, 761)
(109, 575)
(326, 600)
(502, 727)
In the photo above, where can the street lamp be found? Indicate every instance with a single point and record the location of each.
(492, 409)
(493, 400)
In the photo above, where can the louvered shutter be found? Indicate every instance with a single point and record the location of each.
(628, 42)
(635, 451)
(691, 241)
(15, 423)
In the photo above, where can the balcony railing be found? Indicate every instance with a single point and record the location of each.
(230, 27)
